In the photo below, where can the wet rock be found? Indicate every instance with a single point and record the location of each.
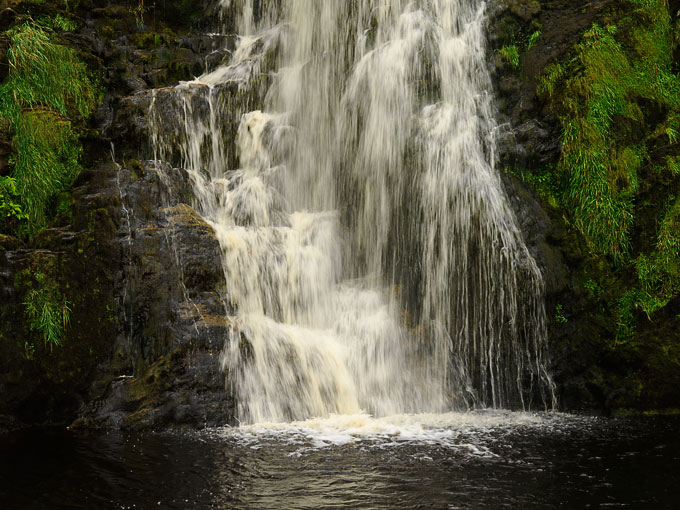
(140, 269)
(133, 119)
(166, 357)
(40, 383)
(134, 83)
(142, 273)
(537, 229)
(530, 141)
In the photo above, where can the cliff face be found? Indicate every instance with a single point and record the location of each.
(125, 252)
(614, 327)
(138, 268)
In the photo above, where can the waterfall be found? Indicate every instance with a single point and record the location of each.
(371, 258)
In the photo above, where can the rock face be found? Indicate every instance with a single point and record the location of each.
(592, 373)
(38, 383)
(141, 270)
(530, 139)
(165, 366)
(137, 266)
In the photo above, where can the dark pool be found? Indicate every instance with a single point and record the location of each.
(556, 461)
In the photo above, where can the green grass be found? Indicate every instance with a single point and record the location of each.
(600, 87)
(47, 311)
(510, 53)
(600, 176)
(44, 102)
(618, 101)
(659, 272)
(532, 39)
(43, 73)
(57, 22)
(45, 98)
(10, 209)
(45, 162)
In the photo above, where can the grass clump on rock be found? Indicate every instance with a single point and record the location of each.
(47, 311)
(46, 97)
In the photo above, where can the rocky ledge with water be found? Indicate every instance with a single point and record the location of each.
(142, 271)
(138, 268)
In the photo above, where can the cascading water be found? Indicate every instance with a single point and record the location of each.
(369, 252)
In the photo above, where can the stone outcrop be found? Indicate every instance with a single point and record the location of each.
(141, 271)
(165, 366)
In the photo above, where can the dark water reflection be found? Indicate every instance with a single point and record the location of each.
(569, 463)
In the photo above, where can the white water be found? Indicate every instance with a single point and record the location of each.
(441, 429)
(371, 258)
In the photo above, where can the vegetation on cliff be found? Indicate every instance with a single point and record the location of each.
(45, 99)
(616, 186)
(618, 101)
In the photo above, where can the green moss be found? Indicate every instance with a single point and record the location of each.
(136, 169)
(149, 40)
(543, 183)
(107, 31)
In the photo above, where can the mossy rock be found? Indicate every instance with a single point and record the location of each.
(524, 9)
(9, 243)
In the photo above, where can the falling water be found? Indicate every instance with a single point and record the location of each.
(370, 255)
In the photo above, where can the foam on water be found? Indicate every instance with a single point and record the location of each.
(466, 430)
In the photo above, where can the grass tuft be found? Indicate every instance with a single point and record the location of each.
(47, 311)
(511, 54)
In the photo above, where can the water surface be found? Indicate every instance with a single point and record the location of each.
(472, 460)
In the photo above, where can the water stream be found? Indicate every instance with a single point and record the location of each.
(381, 293)
(369, 251)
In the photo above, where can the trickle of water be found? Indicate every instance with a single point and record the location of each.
(368, 248)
